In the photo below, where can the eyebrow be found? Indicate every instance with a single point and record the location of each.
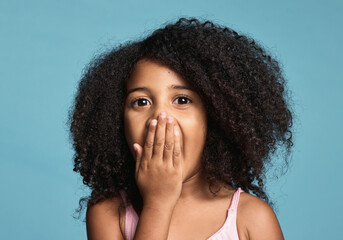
(170, 87)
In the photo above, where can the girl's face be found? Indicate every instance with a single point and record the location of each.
(153, 88)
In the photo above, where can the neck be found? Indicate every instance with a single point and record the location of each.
(195, 186)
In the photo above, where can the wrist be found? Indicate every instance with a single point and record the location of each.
(159, 205)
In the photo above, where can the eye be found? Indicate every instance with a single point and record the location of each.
(183, 100)
(140, 102)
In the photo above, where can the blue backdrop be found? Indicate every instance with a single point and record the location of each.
(44, 45)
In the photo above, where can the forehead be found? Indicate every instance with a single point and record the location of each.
(150, 73)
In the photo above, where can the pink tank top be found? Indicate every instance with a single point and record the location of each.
(227, 232)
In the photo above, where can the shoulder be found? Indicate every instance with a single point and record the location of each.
(103, 220)
(256, 219)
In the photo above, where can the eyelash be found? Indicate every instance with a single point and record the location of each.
(181, 96)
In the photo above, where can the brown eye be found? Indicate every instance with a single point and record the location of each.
(183, 100)
(140, 102)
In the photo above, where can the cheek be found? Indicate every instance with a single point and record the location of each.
(194, 134)
(134, 131)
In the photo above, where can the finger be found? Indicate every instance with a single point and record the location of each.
(169, 142)
(137, 155)
(177, 148)
(149, 141)
(180, 137)
(160, 137)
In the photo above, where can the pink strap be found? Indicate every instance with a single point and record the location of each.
(131, 218)
(235, 199)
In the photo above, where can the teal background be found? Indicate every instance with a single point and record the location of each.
(44, 46)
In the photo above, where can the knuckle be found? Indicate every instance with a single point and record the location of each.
(143, 166)
(168, 146)
(177, 153)
(149, 144)
(159, 142)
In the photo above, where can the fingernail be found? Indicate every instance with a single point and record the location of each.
(154, 122)
(176, 132)
(163, 114)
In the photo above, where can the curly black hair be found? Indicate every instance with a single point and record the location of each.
(242, 86)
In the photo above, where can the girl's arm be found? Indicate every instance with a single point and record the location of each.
(159, 178)
(154, 222)
(102, 221)
(257, 219)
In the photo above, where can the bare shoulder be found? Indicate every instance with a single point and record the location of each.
(103, 220)
(256, 219)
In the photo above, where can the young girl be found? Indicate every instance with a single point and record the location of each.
(172, 134)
